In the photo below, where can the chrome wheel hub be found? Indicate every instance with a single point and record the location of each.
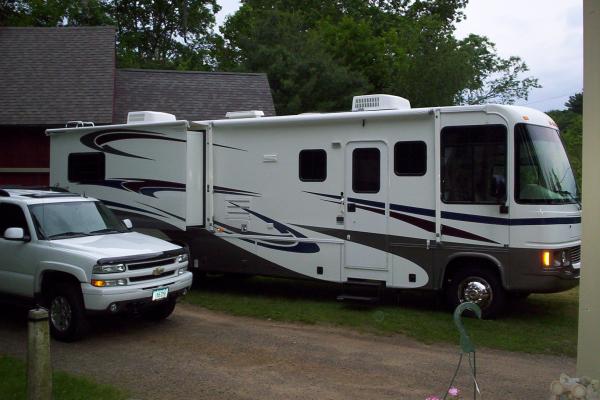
(60, 313)
(475, 290)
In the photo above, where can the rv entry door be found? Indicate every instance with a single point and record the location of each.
(366, 197)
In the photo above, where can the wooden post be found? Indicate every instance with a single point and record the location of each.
(39, 368)
(588, 351)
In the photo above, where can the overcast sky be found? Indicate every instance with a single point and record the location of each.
(546, 34)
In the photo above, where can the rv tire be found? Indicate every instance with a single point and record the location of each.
(477, 285)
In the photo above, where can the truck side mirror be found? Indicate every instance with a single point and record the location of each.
(127, 223)
(17, 234)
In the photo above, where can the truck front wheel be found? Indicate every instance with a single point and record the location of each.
(67, 313)
(479, 286)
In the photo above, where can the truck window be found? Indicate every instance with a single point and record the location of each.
(410, 158)
(473, 164)
(86, 167)
(312, 165)
(365, 170)
(12, 216)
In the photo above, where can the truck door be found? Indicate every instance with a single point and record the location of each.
(17, 268)
(366, 219)
(473, 182)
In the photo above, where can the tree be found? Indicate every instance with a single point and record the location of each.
(150, 33)
(399, 47)
(570, 122)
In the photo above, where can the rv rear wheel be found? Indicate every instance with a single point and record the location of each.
(479, 286)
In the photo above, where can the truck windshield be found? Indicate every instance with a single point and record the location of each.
(72, 219)
(543, 174)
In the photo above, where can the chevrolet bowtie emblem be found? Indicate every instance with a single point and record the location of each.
(158, 271)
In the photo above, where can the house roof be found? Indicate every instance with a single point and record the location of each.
(51, 75)
(190, 95)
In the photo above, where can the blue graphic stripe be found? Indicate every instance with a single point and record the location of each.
(371, 203)
(476, 218)
(119, 205)
(413, 210)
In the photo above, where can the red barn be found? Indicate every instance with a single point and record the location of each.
(49, 76)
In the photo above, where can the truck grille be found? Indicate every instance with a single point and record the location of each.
(150, 264)
(150, 277)
(574, 254)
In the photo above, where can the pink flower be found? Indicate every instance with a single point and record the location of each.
(454, 392)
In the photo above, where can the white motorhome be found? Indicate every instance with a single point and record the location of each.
(477, 201)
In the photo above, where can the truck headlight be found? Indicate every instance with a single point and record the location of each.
(109, 282)
(108, 268)
(182, 258)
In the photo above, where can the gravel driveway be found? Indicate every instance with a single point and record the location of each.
(199, 354)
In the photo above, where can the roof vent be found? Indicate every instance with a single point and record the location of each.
(244, 114)
(376, 102)
(148, 117)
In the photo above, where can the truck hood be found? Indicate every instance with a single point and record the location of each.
(115, 245)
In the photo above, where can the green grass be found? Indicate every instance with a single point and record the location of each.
(545, 324)
(65, 386)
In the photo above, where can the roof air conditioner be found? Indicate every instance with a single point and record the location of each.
(376, 102)
(148, 117)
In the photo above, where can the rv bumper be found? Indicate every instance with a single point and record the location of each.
(545, 281)
(128, 298)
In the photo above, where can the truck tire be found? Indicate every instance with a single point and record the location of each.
(159, 311)
(477, 285)
(66, 312)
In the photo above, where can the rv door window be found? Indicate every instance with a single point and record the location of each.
(312, 165)
(365, 170)
(410, 158)
(473, 164)
(86, 167)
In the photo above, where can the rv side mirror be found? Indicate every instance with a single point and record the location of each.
(16, 234)
(127, 223)
(498, 188)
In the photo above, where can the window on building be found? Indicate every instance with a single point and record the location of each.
(312, 165)
(365, 170)
(86, 167)
(410, 158)
(473, 164)
(12, 216)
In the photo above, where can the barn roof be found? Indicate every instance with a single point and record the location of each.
(190, 95)
(52, 75)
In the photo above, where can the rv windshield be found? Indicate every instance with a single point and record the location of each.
(543, 174)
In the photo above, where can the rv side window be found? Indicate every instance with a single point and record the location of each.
(365, 170)
(473, 163)
(86, 167)
(410, 158)
(312, 165)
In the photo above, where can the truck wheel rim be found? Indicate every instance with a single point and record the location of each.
(60, 313)
(476, 290)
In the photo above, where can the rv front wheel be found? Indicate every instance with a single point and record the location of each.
(479, 286)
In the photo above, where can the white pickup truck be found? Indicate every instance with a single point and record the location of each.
(74, 256)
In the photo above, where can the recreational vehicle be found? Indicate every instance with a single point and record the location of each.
(479, 202)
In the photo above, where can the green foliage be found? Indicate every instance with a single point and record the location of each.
(544, 323)
(150, 33)
(570, 122)
(65, 386)
(319, 54)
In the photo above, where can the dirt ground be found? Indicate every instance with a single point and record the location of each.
(198, 354)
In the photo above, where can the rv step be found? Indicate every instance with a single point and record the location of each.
(363, 299)
(364, 283)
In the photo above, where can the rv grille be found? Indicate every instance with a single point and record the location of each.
(574, 254)
(366, 102)
(150, 264)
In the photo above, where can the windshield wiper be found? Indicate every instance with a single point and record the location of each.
(106, 230)
(67, 234)
(569, 195)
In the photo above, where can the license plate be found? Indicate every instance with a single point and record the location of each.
(159, 294)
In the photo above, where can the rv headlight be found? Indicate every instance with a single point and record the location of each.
(108, 269)
(109, 282)
(561, 258)
(182, 258)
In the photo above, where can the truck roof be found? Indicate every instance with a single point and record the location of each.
(40, 195)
